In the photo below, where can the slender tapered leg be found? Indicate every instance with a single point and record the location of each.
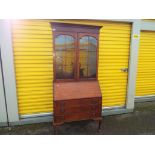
(55, 129)
(99, 124)
(99, 121)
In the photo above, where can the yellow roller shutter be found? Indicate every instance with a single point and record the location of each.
(114, 50)
(145, 84)
(32, 44)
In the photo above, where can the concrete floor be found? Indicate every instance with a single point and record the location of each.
(140, 122)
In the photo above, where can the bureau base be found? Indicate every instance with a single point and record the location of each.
(77, 110)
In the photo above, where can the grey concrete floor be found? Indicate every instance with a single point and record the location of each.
(140, 122)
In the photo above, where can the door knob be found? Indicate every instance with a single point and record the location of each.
(124, 70)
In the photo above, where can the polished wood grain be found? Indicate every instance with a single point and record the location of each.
(76, 90)
(76, 101)
(77, 109)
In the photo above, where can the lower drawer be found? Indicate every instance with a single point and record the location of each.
(77, 106)
(76, 116)
(76, 110)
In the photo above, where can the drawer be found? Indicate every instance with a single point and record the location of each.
(81, 116)
(83, 108)
(77, 106)
(82, 102)
(77, 103)
(77, 116)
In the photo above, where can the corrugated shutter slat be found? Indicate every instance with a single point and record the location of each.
(34, 66)
(145, 84)
(113, 55)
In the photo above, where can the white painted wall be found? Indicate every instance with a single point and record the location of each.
(3, 114)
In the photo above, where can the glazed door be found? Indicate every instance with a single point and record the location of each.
(87, 58)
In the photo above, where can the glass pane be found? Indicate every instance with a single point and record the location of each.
(87, 57)
(64, 56)
(92, 64)
(92, 44)
(59, 56)
(69, 42)
(60, 43)
(84, 43)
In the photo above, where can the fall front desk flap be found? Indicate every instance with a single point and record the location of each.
(76, 90)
